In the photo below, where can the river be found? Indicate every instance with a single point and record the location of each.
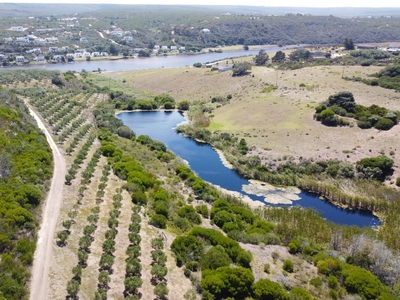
(206, 163)
(139, 63)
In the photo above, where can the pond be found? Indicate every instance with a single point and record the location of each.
(207, 164)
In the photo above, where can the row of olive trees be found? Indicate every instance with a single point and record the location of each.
(84, 245)
(159, 270)
(68, 130)
(80, 157)
(133, 267)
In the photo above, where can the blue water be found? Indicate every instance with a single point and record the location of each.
(205, 162)
(140, 63)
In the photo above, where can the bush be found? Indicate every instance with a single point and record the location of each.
(215, 258)
(362, 282)
(159, 221)
(384, 124)
(316, 281)
(288, 266)
(267, 289)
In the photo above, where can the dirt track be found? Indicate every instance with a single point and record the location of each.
(43, 255)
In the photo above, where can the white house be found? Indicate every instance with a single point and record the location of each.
(40, 41)
(68, 35)
(104, 54)
(78, 55)
(58, 57)
(17, 28)
(40, 58)
(83, 40)
(8, 40)
(174, 48)
(52, 39)
(70, 55)
(164, 47)
(182, 48)
(95, 54)
(22, 40)
(53, 49)
(65, 48)
(128, 39)
(20, 59)
(86, 54)
(205, 31)
(2, 56)
(156, 47)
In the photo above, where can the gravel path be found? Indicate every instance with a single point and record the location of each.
(43, 255)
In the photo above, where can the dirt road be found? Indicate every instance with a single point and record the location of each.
(51, 208)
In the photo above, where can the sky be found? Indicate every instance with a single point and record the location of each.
(287, 3)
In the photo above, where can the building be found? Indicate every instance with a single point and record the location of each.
(83, 40)
(52, 40)
(40, 41)
(58, 58)
(20, 59)
(8, 40)
(40, 58)
(53, 49)
(174, 48)
(78, 55)
(22, 40)
(2, 56)
(206, 31)
(95, 54)
(104, 54)
(65, 48)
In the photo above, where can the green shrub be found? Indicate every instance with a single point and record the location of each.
(288, 266)
(316, 281)
(267, 289)
(159, 221)
(299, 293)
(360, 281)
(215, 258)
(384, 124)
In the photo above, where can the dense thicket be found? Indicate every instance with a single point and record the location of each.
(25, 166)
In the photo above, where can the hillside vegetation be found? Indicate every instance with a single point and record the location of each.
(25, 168)
(137, 221)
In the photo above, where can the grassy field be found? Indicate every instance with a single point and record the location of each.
(281, 122)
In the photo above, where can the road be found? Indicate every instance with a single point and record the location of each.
(102, 36)
(39, 288)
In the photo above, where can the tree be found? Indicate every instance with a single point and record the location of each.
(381, 162)
(161, 290)
(132, 283)
(344, 100)
(133, 267)
(214, 259)
(134, 238)
(125, 53)
(158, 257)
(157, 243)
(62, 237)
(104, 279)
(159, 221)
(246, 47)
(261, 58)
(159, 272)
(267, 289)
(106, 261)
(184, 105)
(85, 242)
(143, 53)
(73, 288)
(279, 56)
(240, 69)
(77, 271)
(109, 246)
(113, 50)
(82, 257)
(348, 44)
(299, 55)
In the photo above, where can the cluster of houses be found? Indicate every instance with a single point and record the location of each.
(31, 39)
(158, 48)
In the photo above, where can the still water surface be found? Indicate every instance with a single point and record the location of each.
(145, 62)
(206, 163)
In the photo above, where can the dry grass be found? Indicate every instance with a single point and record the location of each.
(282, 121)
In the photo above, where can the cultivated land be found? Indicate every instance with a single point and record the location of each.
(279, 123)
